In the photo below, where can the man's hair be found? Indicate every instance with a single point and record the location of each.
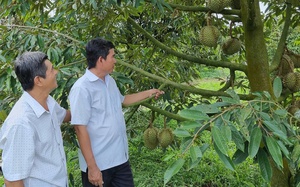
(28, 66)
(95, 48)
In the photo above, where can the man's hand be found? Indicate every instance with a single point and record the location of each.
(95, 176)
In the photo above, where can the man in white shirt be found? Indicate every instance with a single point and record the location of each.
(33, 153)
(96, 107)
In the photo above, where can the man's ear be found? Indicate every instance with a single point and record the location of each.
(99, 61)
(37, 81)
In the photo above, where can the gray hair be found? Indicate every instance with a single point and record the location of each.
(28, 66)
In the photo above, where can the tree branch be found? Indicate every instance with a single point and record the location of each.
(208, 93)
(284, 35)
(201, 9)
(204, 9)
(190, 58)
(42, 29)
(164, 112)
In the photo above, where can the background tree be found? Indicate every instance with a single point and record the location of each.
(162, 44)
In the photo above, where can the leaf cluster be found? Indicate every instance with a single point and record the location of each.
(259, 129)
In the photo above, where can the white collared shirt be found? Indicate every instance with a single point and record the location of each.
(98, 105)
(32, 144)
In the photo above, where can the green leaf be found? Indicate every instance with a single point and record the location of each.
(229, 100)
(186, 144)
(265, 116)
(167, 5)
(225, 159)
(281, 112)
(284, 149)
(239, 156)
(193, 114)
(255, 139)
(40, 41)
(181, 133)
(271, 125)
(2, 58)
(195, 153)
(237, 138)
(264, 164)
(220, 140)
(274, 150)
(296, 153)
(227, 132)
(233, 95)
(277, 87)
(208, 109)
(245, 112)
(173, 169)
(187, 125)
(193, 164)
(204, 147)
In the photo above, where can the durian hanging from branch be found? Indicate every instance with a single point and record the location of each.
(150, 134)
(232, 45)
(209, 34)
(218, 5)
(165, 136)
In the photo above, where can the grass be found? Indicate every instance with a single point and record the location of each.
(149, 167)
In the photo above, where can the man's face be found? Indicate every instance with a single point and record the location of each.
(109, 63)
(50, 80)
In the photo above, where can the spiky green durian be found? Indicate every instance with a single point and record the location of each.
(150, 137)
(165, 137)
(209, 36)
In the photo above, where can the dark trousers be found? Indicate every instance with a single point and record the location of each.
(119, 176)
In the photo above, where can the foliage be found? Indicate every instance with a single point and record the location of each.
(259, 129)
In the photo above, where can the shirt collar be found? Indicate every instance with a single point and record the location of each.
(92, 77)
(36, 107)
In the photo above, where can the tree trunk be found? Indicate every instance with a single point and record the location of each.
(280, 178)
(257, 56)
(258, 65)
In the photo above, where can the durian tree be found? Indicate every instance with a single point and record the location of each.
(167, 44)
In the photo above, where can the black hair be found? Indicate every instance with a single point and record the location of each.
(95, 48)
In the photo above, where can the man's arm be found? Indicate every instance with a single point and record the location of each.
(68, 116)
(133, 98)
(94, 173)
(18, 183)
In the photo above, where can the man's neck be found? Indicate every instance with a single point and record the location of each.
(40, 97)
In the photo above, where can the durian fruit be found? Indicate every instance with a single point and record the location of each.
(216, 5)
(289, 80)
(286, 65)
(209, 36)
(231, 46)
(296, 87)
(295, 58)
(165, 137)
(228, 3)
(236, 4)
(293, 109)
(150, 138)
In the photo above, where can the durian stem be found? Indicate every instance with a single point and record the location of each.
(230, 29)
(165, 123)
(152, 119)
(208, 19)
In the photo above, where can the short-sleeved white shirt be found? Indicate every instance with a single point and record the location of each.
(98, 105)
(32, 144)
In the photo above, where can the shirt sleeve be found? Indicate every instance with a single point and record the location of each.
(18, 153)
(80, 106)
(60, 112)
